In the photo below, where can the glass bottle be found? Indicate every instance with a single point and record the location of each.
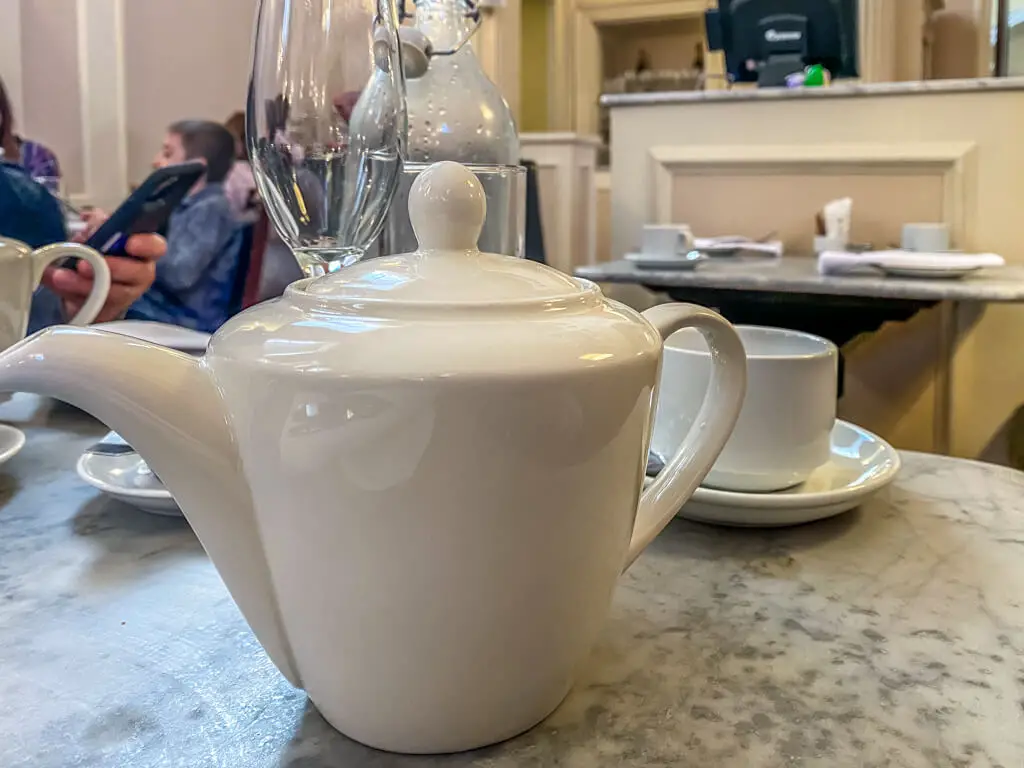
(457, 113)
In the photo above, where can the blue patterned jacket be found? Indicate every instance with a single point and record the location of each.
(195, 280)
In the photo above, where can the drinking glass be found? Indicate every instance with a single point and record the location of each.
(50, 183)
(326, 124)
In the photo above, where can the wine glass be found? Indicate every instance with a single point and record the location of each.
(326, 124)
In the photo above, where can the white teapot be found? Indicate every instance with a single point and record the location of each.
(419, 477)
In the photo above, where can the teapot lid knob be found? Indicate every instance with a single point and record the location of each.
(447, 207)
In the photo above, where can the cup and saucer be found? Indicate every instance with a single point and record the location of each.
(113, 467)
(926, 253)
(667, 246)
(789, 460)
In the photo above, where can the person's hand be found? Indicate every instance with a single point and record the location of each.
(93, 218)
(129, 277)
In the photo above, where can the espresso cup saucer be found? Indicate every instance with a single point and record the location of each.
(128, 479)
(12, 440)
(860, 465)
(929, 273)
(683, 261)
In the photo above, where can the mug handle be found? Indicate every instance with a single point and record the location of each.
(45, 256)
(687, 240)
(711, 429)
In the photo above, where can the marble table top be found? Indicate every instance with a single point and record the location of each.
(892, 635)
(838, 90)
(799, 274)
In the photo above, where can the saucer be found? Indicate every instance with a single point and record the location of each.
(164, 334)
(860, 465)
(928, 273)
(943, 265)
(676, 261)
(129, 479)
(11, 441)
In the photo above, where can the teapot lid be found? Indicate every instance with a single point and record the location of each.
(447, 207)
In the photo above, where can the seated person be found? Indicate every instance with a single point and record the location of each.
(36, 159)
(240, 186)
(195, 280)
(32, 215)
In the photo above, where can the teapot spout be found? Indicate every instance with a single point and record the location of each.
(166, 406)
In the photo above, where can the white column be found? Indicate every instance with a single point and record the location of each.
(568, 195)
(104, 128)
(878, 40)
(10, 52)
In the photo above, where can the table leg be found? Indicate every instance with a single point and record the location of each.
(942, 413)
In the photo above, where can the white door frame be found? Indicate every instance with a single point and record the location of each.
(10, 53)
(102, 88)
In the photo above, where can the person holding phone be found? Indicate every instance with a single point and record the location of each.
(195, 281)
(30, 214)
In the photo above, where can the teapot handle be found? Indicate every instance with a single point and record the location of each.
(711, 429)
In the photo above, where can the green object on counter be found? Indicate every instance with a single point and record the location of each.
(817, 75)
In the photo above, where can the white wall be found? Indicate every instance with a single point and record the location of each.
(99, 80)
(51, 95)
(183, 59)
(10, 52)
(39, 66)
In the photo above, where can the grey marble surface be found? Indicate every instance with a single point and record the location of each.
(890, 636)
(837, 91)
(797, 274)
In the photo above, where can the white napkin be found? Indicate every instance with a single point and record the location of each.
(738, 243)
(838, 262)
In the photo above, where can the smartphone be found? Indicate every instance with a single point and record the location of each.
(148, 209)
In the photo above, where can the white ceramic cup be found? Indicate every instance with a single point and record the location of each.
(784, 428)
(823, 243)
(926, 238)
(667, 239)
(21, 271)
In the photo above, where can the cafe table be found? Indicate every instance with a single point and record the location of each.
(789, 292)
(892, 635)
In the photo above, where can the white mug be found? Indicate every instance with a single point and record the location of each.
(667, 239)
(21, 271)
(926, 238)
(784, 429)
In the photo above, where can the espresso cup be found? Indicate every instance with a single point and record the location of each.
(926, 238)
(785, 426)
(21, 271)
(667, 239)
